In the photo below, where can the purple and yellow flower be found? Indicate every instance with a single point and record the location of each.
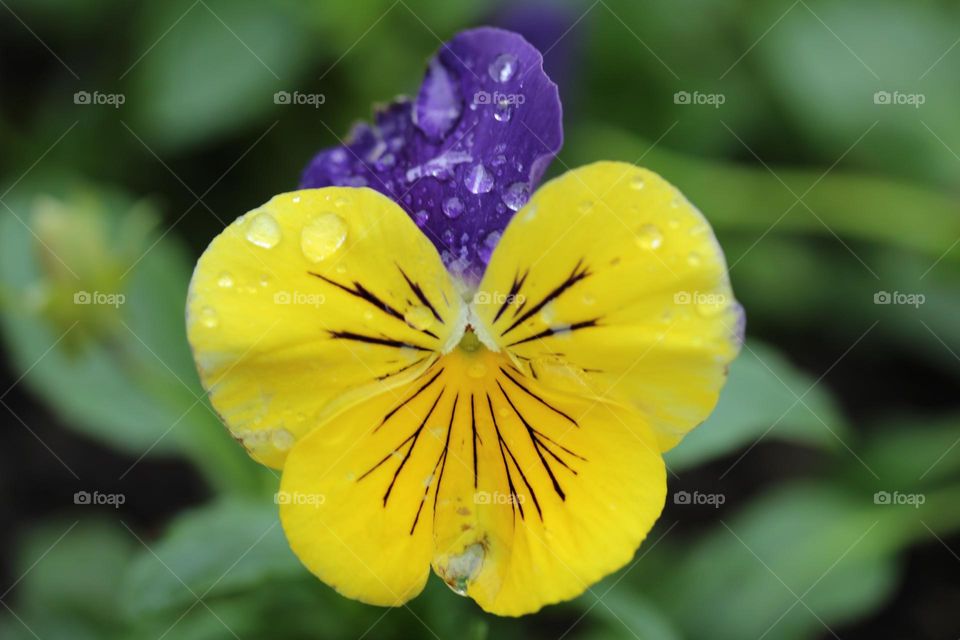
(452, 372)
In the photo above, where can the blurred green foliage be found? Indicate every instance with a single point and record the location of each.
(820, 196)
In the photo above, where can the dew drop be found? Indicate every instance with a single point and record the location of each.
(502, 112)
(478, 179)
(225, 280)
(209, 318)
(263, 231)
(638, 183)
(710, 304)
(459, 570)
(343, 201)
(419, 317)
(516, 195)
(693, 259)
(649, 237)
(421, 217)
(323, 236)
(503, 67)
(453, 207)
(585, 206)
(281, 439)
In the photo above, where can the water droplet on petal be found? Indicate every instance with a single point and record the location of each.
(710, 304)
(649, 237)
(459, 570)
(323, 236)
(502, 112)
(209, 318)
(478, 179)
(281, 439)
(419, 317)
(503, 67)
(421, 217)
(263, 231)
(343, 201)
(638, 183)
(693, 259)
(225, 280)
(453, 207)
(585, 206)
(516, 195)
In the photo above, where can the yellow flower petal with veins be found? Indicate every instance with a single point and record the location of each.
(289, 308)
(513, 440)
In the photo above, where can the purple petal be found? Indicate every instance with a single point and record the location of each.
(467, 153)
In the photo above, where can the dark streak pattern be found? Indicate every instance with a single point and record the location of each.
(550, 331)
(515, 503)
(421, 296)
(518, 281)
(579, 273)
(359, 291)
(442, 463)
(404, 403)
(538, 398)
(387, 342)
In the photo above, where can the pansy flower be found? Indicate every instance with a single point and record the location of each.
(483, 390)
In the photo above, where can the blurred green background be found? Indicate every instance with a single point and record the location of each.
(821, 139)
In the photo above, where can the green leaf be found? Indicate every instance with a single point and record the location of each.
(750, 199)
(831, 550)
(215, 67)
(70, 581)
(223, 548)
(760, 400)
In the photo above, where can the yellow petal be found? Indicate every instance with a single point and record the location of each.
(610, 284)
(310, 303)
(519, 496)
